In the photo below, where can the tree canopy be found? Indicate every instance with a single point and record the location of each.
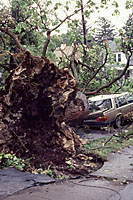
(36, 25)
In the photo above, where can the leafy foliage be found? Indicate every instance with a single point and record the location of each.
(104, 30)
(30, 21)
(10, 160)
(128, 28)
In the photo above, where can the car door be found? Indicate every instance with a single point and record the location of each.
(129, 98)
(116, 109)
(110, 113)
(123, 105)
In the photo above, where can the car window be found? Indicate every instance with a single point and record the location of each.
(121, 101)
(100, 105)
(129, 97)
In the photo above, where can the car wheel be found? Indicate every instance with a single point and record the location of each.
(118, 121)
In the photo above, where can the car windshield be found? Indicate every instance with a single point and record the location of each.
(100, 105)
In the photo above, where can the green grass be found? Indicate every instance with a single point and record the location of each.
(110, 144)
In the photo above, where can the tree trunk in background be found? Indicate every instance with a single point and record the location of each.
(83, 22)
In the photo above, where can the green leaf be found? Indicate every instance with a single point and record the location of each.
(18, 28)
(8, 155)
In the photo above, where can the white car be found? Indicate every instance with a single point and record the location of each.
(111, 109)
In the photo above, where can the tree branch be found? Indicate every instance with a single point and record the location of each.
(83, 22)
(39, 6)
(120, 86)
(50, 31)
(75, 12)
(12, 35)
(56, 27)
(97, 71)
(46, 44)
(72, 63)
(3, 41)
(114, 80)
(65, 54)
(85, 65)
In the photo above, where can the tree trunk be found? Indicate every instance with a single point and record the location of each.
(83, 22)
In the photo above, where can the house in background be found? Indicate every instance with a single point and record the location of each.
(120, 59)
(64, 51)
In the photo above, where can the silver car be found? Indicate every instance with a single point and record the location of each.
(110, 109)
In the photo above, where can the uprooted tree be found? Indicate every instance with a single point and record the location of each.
(36, 107)
(40, 101)
(35, 111)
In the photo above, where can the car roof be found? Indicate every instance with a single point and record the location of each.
(105, 96)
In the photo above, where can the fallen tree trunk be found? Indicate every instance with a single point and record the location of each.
(33, 119)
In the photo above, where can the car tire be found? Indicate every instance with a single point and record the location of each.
(118, 121)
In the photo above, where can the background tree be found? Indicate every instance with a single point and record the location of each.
(104, 30)
(128, 28)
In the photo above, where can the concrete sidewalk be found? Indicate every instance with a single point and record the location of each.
(126, 194)
(112, 182)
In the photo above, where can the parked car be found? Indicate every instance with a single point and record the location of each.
(110, 109)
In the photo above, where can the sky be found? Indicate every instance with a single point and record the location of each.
(118, 20)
